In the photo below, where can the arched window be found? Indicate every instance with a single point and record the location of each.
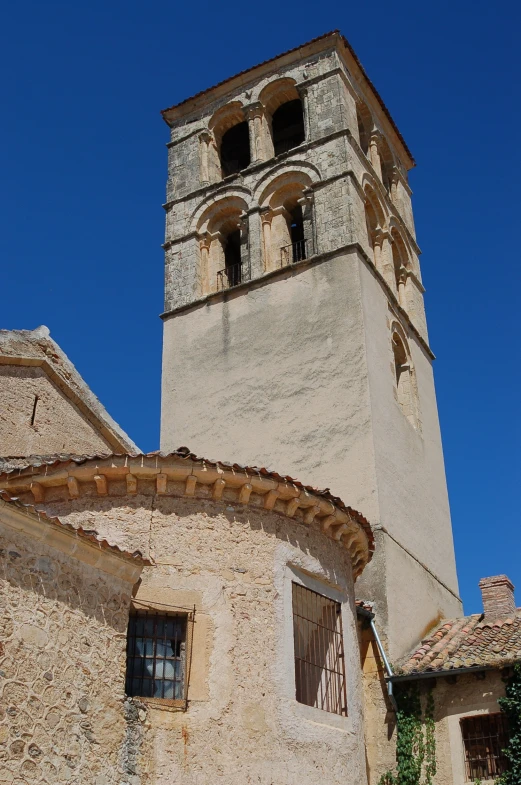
(235, 149)
(405, 393)
(287, 125)
(232, 258)
(287, 220)
(228, 152)
(365, 123)
(387, 164)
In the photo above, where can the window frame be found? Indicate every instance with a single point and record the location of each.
(185, 657)
(502, 736)
(305, 605)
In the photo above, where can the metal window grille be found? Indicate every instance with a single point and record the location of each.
(230, 276)
(319, 651)
(295, 252)
(484, 738)
(158, 655)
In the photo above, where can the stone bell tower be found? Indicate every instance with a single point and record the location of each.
(294, 328)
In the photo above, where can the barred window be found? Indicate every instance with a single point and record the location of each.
(157, 655)
(319, 651)
(484, 738)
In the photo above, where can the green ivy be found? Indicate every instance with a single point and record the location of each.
(511, 706)
(415, 740)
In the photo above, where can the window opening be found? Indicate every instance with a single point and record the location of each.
(288, 126)
(35, 404)
(319, 651)
(232, 273)
(484, 738)
(404, 389)
(156, 655)
(297, 250)
(235, 149)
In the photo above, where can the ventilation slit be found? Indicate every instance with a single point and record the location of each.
(35, 404)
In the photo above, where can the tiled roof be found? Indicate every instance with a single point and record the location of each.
(37, 461)
(90, 535)
(348, 46)
(468, 642)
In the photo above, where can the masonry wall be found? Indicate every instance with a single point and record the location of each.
(58, 426)
(62, 656)
(236, 566)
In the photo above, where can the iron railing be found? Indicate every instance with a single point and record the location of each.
(295, 252)
(230, 276)
(320, 679)
(156, 655)
(484, 738)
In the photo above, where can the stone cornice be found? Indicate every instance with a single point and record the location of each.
(77, 543)
(283, 271)
(182, 475)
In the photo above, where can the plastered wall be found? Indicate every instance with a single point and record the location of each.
(236, 566)
(58, 425)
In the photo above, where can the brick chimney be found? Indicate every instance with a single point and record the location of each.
(497, 593)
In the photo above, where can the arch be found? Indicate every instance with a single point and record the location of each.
(240, 193)
(287, 216)
(365, 125)
(231, 135)
(405, 383)
(221, 231)
(386, 163)
(309, 173)
(284, 110)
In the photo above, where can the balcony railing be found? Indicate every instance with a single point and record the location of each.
(296, 252)
(229, 276)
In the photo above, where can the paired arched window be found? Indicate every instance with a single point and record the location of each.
(222, 237)
(287, 220)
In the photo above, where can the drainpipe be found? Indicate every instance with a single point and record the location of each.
(390, 675)
(386, 664)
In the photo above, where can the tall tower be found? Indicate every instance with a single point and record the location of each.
(294, 326)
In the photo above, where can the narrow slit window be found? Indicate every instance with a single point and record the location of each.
(156, 655)
(485, 737)
(319, 651)
(35, 405)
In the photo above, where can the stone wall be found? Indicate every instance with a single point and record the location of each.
(58, 425)
(62, 645)
(235, 564)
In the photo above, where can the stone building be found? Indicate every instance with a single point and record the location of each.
(294, 321)
(169, 618)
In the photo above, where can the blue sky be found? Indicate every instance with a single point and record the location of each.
(83, 169)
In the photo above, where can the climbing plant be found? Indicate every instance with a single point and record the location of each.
(510, 705)
(415, 740)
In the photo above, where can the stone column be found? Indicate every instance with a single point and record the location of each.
(266, 215)
(383, 256)
(403, 274)
(304, 97)
(243, 227)
(307, 204)
(256, 127)
(205, 285)
(374, 154)
(205, 139)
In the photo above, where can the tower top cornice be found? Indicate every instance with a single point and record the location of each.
(334, 39)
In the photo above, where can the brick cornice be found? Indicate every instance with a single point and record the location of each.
(185, 476)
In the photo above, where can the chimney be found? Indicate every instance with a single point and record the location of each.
(497, 593)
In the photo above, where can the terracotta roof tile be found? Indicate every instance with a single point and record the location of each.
(184, 453)
(467, 642)
(90, 535)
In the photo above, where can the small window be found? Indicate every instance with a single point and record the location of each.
(235, 149)
(319, 651)
(156, 655)
(484, 739)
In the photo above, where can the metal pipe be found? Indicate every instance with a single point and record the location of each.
(386, 664)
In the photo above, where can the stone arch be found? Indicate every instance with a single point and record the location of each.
(404, 376)
(387, 164)
(365, 125)
(229, 149)
(284, 110)
(287, 218)
(237, 192)
(376, 228)
(222, 233)
(307, 171)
